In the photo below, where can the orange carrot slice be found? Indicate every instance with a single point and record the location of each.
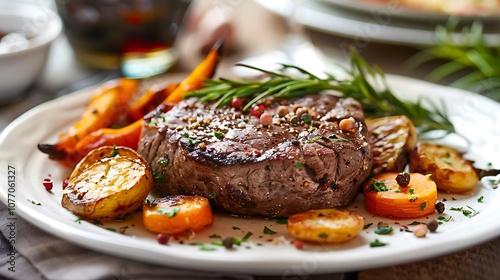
(177, 214)
(385, 197)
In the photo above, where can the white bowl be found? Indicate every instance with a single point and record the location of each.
(20, 68)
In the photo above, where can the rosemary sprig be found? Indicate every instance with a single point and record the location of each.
(364, 82)
(470, 59)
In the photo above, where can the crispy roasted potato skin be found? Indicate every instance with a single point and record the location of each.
(451, 172)
(325, 225)
(392, 140)
(108, 183)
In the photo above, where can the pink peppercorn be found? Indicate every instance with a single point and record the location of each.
(47, 183)
(162, 238)
(237, 102)
(258, 110)
(266, 119)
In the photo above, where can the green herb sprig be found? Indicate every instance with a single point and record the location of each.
(469, 61)
(364, 82)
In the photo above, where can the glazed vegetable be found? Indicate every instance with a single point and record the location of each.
(392, 139)
(385, 197)
(108, 104)
(451, 172)
(177, 214)
(204, 71)
(325, 225)
(93, 129)
(127, 136)
(108, 183)
(149, 100)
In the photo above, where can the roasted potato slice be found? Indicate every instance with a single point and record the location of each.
(109, 182)
(325, 225)
(392, 139)
(451, 172)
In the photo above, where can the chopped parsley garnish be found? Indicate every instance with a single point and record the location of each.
(443, 218)
(79, 220)
(163, 162)
(384, 230)
(422, 205)
(213, 197)
(379, 186)
(414, 223)
(480, 199)
(367, 225)
(170, 212)
(323, 235)
(96, 222)
(413, 198)
(207, 248)
(282, 221)
(467, 213)
(218, 134)
(268, 230)
(412, 191)
(299, 165)
(236, 228)
(377, 243)
(245, 238)
(35, 203)
(158, 176)
(111, 229)
(114, 152)
(214, 236)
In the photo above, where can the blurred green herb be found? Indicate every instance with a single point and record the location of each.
(364, 82)
(468, 60)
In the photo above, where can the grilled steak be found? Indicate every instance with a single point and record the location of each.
(301, 161)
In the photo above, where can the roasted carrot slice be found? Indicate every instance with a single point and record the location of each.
(205, 70)
(149, 100)
(177, 214)
(385, 197)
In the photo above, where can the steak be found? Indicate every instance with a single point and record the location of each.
(302, 161)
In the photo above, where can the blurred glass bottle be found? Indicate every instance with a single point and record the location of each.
(136, 36)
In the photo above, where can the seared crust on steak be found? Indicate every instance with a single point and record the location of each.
(246, 168)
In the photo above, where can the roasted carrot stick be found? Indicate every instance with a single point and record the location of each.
(127, 136)
(107, 105)
(149, 100)
(384, 196)
(176, 214)
(205, 70)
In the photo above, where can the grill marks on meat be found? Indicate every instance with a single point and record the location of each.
(248, 169)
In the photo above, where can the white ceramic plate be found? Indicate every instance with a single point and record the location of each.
(384, 26)
(406, 13)
(475, 117)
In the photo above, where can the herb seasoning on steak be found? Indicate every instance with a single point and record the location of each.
(295, 164)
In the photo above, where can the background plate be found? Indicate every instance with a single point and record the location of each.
(263, 253)
(385, 26)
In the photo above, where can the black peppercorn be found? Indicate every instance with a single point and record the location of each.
(432, 225)
(228, 242)
(440, 207)
(403, 179)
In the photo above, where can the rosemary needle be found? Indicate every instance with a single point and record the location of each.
(359, 84)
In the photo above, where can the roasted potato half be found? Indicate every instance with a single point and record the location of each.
(451, 172)
(325, 225)
(392, 139)
(108, 183)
